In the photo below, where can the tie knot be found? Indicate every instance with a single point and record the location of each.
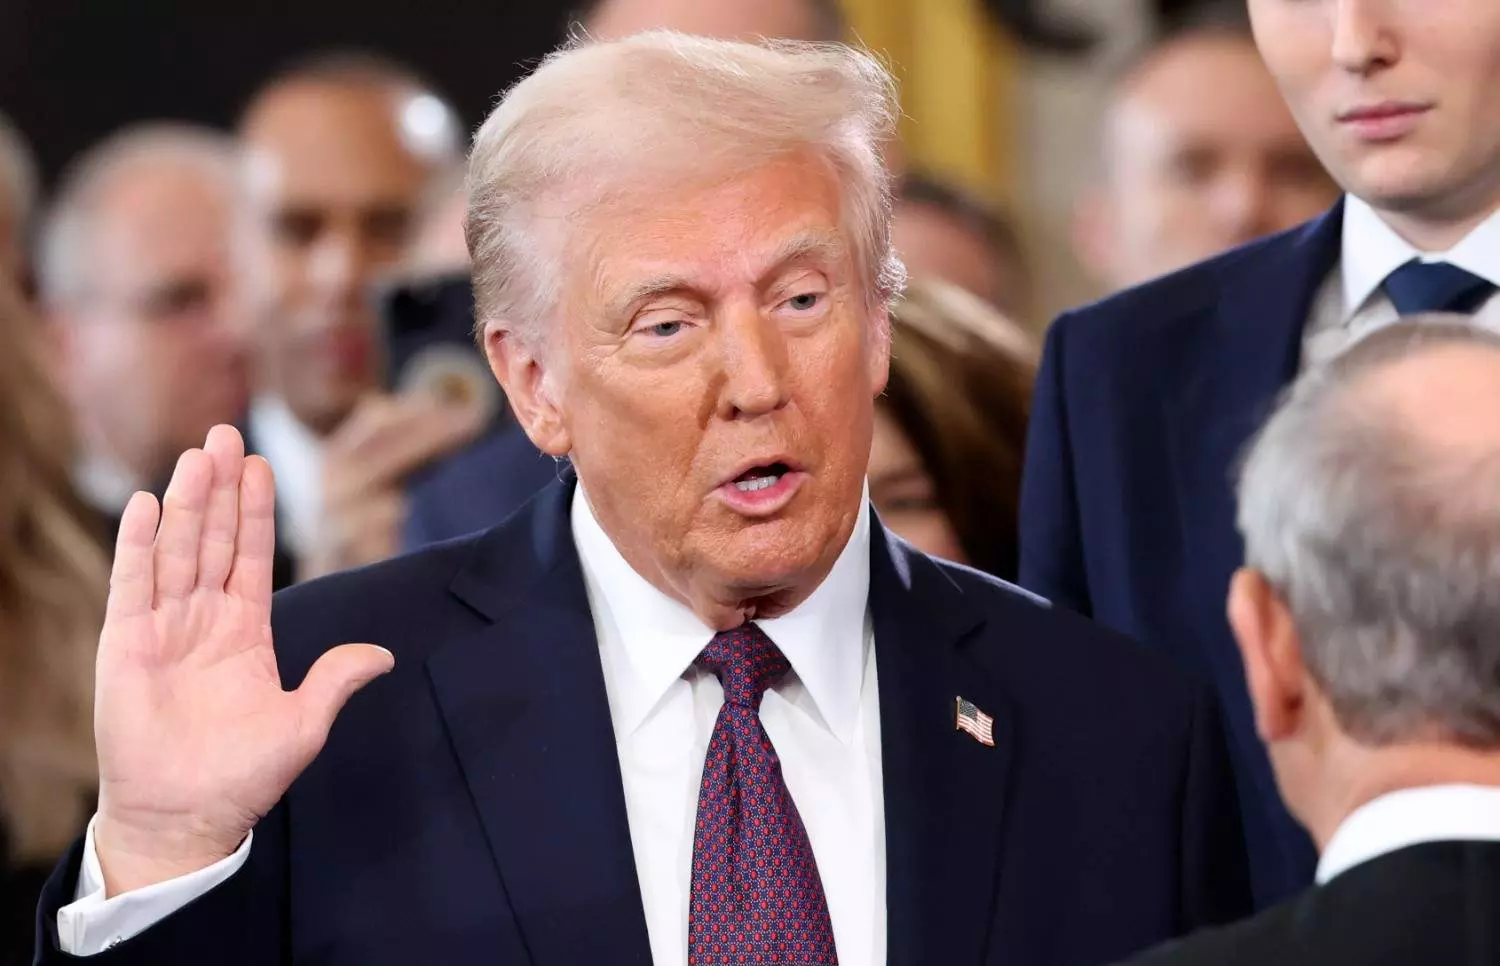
(746, 662)
(1420, 286)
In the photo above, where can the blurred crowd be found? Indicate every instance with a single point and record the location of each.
(178, 277)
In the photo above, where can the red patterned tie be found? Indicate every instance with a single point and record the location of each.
(757, 897)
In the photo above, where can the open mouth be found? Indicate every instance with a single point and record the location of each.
(760, 477)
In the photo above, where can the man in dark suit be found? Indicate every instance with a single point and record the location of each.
(696, 705)
(1368, 622)
(1144, 400)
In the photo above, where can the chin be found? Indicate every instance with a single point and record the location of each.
(764, 557)
(1398, 179)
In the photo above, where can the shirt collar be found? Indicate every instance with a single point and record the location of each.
(824, 638)
(296, 454)
(1412, 816)
(1371, 250)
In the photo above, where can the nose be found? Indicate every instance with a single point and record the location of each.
(1362, 40)
(754, 357)
(334, 267)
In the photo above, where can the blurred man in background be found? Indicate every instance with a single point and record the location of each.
(1370, 629)
(341, 150)
(140, 275)
(943, 232)
(18, 202)
(1199, 154)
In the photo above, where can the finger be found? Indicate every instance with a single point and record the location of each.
(226, 451)
(182, 512)
(132, 578)
(333, 679)
(255, 540)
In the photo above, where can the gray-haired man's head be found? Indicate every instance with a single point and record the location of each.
(1370, 508)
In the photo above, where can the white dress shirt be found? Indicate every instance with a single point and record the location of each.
(296, 457)
(1351, 303)
(823, 719)
(1412, 816)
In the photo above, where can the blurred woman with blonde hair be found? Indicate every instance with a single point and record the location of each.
(950, 430)
(53, 581)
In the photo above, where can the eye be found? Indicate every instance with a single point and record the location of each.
(805, 302)
(664, 330)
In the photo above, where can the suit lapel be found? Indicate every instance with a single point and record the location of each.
(1246, 353)
(525, 706)
(944, 791)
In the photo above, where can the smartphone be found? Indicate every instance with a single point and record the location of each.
(428, 333)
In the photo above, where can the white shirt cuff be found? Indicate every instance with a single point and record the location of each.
(91, 923)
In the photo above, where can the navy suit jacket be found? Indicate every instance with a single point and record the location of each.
(477, 487)
(468, 806)
(1143, 405)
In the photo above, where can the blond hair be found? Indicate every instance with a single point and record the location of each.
(601, 121)
(53, 581)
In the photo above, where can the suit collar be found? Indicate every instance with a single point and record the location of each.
(945, 792)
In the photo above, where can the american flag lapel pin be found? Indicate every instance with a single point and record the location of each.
(980, 726)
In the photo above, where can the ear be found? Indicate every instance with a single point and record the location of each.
(529, 388)
(1272, 654)
(1093, 234)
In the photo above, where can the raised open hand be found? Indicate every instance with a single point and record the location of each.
(197, 738)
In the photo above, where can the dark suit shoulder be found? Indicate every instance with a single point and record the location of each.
(1262, 940)
(1162, 305)
(1060, 652)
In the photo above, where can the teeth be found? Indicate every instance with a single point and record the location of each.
(759, 483)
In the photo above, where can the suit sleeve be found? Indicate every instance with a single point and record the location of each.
(1215, 870)
(241, 922)
(1052, 563)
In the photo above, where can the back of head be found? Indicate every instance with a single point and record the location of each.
(599, 124)
(1371, 503)
(942, 230)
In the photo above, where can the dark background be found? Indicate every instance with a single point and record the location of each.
(73, 70)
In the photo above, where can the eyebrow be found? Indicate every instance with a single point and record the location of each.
(815, 245)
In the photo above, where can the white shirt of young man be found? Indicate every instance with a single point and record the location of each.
(1351, 304)
(1412, 816)
(823, 719)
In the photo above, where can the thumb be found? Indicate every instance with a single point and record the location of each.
(334, 678)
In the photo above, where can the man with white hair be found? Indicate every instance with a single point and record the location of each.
(693, 704)
(18, 195)
(1369, 623)
(141, 275)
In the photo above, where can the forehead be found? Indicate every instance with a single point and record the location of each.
(324, 143)
(162, 219)
(716, 236)
(1207, 88)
